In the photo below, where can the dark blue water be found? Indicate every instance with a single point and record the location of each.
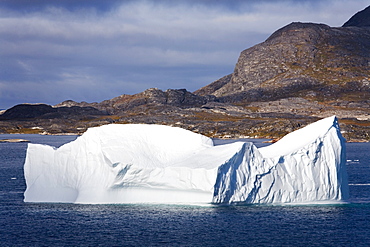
(27, 224)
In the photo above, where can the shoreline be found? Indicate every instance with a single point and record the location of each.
(270, 140)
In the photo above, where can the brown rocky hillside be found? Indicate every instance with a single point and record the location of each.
(307, 60)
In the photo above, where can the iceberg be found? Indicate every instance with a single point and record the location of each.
(140, 163)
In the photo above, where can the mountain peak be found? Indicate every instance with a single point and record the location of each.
(291, 30)
(360, 19)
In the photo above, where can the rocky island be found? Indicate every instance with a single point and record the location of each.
(303, 72)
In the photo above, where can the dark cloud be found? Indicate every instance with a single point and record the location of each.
(37, 5)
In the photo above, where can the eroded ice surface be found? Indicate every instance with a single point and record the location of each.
(136, 163)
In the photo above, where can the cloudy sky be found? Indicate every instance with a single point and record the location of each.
(92, 50)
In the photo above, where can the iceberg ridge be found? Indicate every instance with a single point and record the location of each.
(309, 169)
(138, 163)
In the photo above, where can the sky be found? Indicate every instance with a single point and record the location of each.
(93, 50)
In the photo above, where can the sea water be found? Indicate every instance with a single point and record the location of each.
(46, 224)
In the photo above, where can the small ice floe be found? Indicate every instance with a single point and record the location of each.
(353, 161)
(13, 178)
(14, 140)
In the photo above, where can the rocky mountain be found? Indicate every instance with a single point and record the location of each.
(300, 60)
(360, 19)
(31, 111)
(150, 97)
(302, 72)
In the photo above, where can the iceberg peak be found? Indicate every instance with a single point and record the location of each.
(305, 166)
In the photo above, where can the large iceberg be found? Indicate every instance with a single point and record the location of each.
(138, 163)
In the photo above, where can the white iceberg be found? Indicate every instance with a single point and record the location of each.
(137, 163)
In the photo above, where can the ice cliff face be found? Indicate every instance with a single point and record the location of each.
(160, 164)
(307, 165)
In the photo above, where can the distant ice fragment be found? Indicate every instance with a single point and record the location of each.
(137, 163)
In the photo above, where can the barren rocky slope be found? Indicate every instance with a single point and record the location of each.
(301, 59)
